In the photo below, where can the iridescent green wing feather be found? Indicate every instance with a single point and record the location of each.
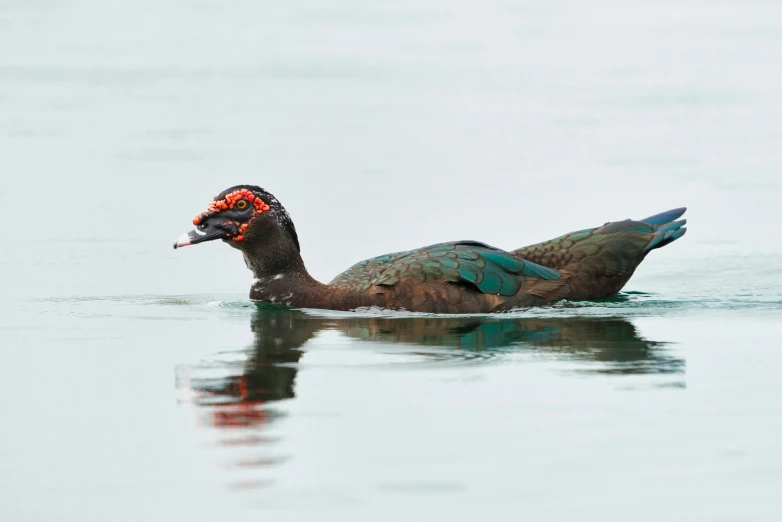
(365, 272)
(489, 269)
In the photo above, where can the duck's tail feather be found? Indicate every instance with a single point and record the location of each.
(667, 230)
(665, 217)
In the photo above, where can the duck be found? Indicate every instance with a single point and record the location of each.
(457, 277)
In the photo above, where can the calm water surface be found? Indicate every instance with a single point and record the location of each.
(140, 383)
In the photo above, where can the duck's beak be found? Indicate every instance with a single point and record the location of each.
(205, 232)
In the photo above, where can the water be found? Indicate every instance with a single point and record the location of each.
(140, 383)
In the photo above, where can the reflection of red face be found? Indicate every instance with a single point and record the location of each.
(244, 206)
(241, 413)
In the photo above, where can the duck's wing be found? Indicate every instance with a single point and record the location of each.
(490, 270)
(365, 272)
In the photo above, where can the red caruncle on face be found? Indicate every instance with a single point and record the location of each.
(237, 200)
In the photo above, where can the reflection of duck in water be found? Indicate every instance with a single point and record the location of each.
(612, 344)
(266, 376)
(456, 277)
(612, 341)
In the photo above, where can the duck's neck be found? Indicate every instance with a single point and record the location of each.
(281, 277)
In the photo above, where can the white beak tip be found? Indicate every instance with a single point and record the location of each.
(183, 240)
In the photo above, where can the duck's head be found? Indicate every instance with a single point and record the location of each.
(248, 218)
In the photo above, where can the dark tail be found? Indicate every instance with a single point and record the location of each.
(667, 229)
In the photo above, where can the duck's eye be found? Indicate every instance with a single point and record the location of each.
(241, 204)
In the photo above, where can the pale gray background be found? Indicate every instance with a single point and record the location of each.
(384, 126)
